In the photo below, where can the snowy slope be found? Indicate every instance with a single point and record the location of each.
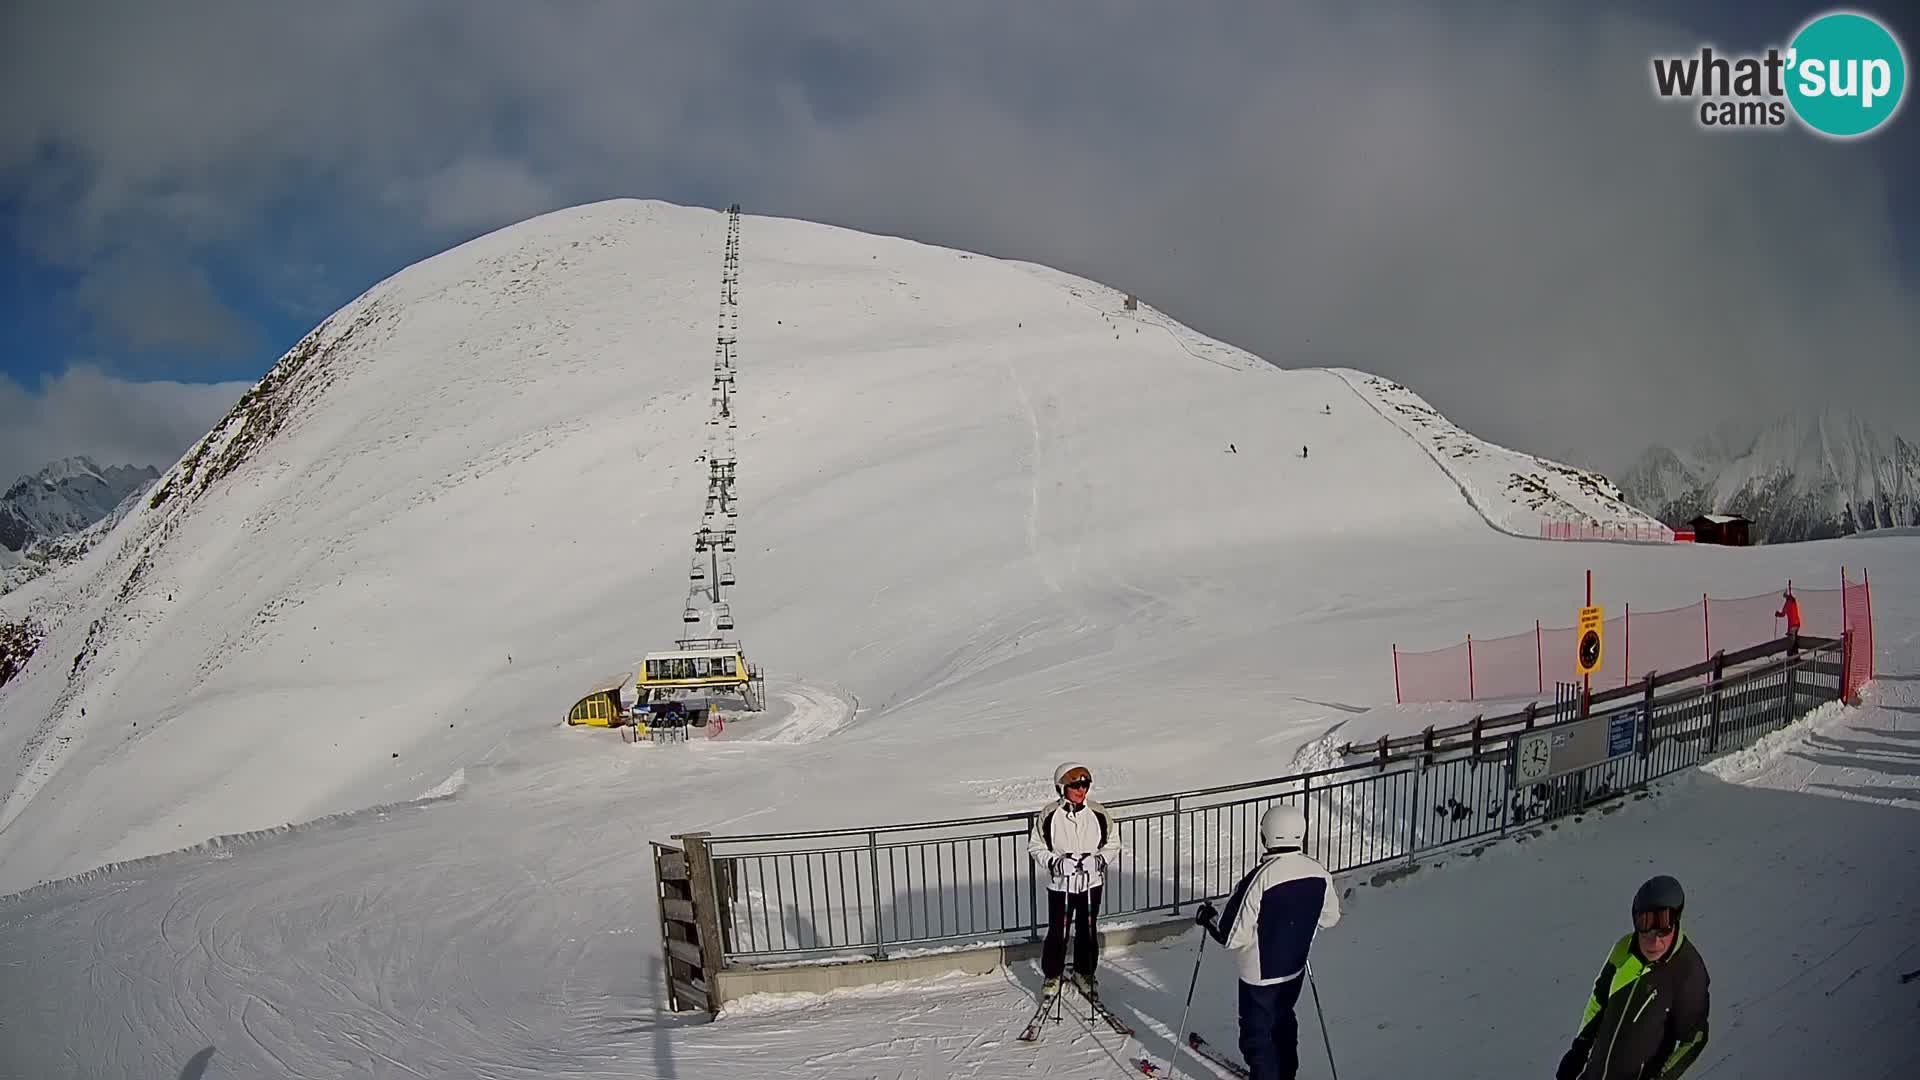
(1802, 477)
(990, 522)
(508, 931)
(1516, 492)
(966, 482)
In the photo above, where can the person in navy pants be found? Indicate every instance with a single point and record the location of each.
(1271, 919)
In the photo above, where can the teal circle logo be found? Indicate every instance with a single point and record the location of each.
(1846, 74)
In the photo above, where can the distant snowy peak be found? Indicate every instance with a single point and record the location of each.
(66, 497)
(1806, 476)
(1517, 493)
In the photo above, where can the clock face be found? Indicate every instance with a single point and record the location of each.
(1535, 753)
(1589, 650)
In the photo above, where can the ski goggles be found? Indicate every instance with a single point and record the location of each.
(1660, 922)
(1077, 778)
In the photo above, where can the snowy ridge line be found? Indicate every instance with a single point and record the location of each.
(1547, 491)
(1426, 448)
(447, 789)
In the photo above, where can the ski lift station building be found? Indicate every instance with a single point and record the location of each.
(601, 706)
(679, 673)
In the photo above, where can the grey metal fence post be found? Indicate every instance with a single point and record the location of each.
(1509, 775)
(873, 867)
(1719, 676)
(1176, 855)
(1033, 895)
(1793, 688)
(1306, 801)
(1413, 810)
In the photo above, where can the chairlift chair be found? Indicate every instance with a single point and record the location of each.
(699, 571)
(726, 573)
(722, 617)
(691, 615)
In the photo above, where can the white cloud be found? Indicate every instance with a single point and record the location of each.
(1484, 202)
(114, 422)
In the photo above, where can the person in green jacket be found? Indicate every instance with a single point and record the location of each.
(1647, 1016)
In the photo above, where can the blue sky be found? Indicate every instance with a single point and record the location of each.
(1486, 205)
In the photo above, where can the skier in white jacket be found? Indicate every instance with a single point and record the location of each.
(1074, 840)
(1271, 919)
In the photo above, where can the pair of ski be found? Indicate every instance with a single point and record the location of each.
(1203, 1048)
(1049, 1009)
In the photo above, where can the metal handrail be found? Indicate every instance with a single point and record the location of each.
(878, 889)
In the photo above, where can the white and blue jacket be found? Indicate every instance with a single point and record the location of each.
(1273, 915)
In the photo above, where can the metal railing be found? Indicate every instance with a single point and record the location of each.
(844, 893)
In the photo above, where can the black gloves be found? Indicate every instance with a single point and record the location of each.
(1206, 915)
(1573, 1061)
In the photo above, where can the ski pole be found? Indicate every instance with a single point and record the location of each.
(1323, 1022)
(1173, 1067)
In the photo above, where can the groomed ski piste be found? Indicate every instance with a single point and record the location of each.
(314, 822)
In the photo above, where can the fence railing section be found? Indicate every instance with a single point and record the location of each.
(1654, 533)
(1529, 663)
(887, 891)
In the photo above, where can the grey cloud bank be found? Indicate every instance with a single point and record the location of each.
(1491, 207)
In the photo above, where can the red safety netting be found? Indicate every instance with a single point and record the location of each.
(1528, 664)
(1655, 533)
(1437, 675)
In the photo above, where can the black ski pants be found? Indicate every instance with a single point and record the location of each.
(1269, 1035)
(1082, 908)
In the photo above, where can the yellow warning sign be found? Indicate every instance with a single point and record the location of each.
(1590, 649)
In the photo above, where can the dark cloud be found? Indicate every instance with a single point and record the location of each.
(114, 422)
(146, 303)
(1484, 202)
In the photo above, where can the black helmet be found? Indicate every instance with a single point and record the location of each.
(1658, 894)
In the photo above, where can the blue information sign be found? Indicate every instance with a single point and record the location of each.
(1620, 733)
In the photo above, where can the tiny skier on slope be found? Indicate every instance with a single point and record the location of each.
(1271, 919)
(1074, 840)
(1791, 609)
(1647, 1016)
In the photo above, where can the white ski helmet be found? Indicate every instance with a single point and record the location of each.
(1065, 771)
(1283, 825)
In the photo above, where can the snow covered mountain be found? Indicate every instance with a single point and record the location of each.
(54, 517)
(1802, 477)
(965, 463)
(1514, 491)
(992, 517)
(66, 497)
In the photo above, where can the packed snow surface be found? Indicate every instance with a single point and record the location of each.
(991, 520)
